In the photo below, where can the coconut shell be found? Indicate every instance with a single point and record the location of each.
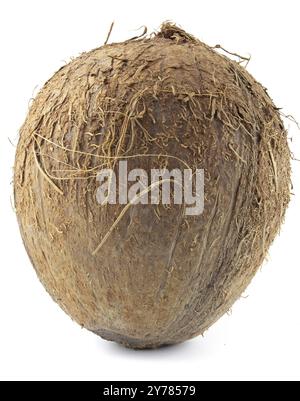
(152, 275)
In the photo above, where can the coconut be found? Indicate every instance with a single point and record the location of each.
(146, 275)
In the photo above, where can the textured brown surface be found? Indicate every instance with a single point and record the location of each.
(160, 277)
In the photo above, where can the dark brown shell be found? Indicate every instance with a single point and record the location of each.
(160, 277)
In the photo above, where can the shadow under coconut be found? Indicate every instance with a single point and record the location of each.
(191, 349)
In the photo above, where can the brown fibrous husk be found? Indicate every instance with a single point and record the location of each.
(168, 100)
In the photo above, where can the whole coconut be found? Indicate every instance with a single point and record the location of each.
(149, 275)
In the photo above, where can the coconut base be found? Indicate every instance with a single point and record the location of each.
(132, 342)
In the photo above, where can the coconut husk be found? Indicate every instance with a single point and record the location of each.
(164, 100)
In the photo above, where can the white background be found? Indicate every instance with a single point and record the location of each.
(260, 339)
